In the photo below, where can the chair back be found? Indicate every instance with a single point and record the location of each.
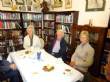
(3, 76)
(42, 43)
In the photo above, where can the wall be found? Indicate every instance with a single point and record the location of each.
(99, 18)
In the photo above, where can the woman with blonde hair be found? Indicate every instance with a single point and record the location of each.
(31, 40)
(83, 56)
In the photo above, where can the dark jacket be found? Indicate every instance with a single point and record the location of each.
(62, 52)
(4, 66)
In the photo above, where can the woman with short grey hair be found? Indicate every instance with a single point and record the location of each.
(83, 56)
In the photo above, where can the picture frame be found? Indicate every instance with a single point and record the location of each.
(95, 5)
(19, 2)
(58, 3)
(29, 8)
(6, 3)
(68, 4)
(22, 8)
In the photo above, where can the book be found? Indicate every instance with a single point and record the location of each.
(64, 18)
(1, 25)
(34, 17)
(10, 16)
(10, 25)
(65, 28)
(49, 17)
(49, 25)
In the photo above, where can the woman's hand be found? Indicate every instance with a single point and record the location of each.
(72, 63)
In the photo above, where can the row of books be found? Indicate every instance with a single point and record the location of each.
(35, 17)
(65, 28)
(49, 17)
(9, 16)
(49, 32)
(49, 25)
(64, 18)
(36, 25)
(9, 25)
(11, 40)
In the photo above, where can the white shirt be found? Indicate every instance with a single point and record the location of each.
(36, 42)
(0, 58)
(56, 47)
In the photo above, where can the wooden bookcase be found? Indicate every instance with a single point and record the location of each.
(11, 38)
(59, 20)
(106, 50)
(97, 37)
(32, 18)
(48, 26)
(65, 21)
(13, 26)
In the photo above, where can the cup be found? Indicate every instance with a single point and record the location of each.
(38, 55)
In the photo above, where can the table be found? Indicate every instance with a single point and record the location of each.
(31, 69)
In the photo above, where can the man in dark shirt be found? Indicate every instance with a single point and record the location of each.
(9, 70)
(58, 46)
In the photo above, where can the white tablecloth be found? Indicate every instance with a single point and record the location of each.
(31, 69)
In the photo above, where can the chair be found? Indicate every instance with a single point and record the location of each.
(42, 43)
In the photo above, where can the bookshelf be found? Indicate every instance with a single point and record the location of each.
(52, 21)
(48, 26)
(9, 28)
(33, 18)
(65, 21)
(106, 50)
(13, 26)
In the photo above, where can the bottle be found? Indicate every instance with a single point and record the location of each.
(90, 22)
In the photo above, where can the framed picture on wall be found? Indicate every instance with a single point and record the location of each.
(19, 2)
(95, 5)
(58, 3)
(6, 3)
(68, 4)
(29, 8)
(22, 8)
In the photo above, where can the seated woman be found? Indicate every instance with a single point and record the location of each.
(31, 40)
(83, 56)
(107, 68)
(9, 70)
(58, 46)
